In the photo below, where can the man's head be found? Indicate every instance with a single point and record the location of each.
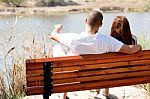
(94, 20)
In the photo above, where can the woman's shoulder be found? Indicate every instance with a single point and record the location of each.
(134, 38)
(105, 37)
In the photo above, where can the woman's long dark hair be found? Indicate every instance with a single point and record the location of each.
(121, 30)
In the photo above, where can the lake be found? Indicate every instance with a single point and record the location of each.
(36, 24)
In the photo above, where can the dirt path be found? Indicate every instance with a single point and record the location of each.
(126, 92)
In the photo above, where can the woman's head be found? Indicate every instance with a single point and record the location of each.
(121, 30)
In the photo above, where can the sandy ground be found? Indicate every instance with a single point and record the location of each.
(126, 92)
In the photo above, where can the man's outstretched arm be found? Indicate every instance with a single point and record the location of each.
(130, 49)
(55, 33)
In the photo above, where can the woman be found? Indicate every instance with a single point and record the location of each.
(121, 31)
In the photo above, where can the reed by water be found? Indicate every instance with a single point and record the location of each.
(12, 60)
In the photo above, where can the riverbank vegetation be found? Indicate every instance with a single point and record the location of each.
(12, 60)
(144, 41)
(67, 6)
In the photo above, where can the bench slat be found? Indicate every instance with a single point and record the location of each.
(83, 57)
(98, 84)
(95, 78)
(82, 67)
(88, 86)
(97, 61)
(103, 77)
(97, 72)
(98, 66)
(35, 90)
(33, 66)
(37, 80)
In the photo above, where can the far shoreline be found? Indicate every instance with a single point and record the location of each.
(7, 11)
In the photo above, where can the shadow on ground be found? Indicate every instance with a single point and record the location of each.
(111, 96)
(54, 4)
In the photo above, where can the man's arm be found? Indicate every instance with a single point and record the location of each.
(130, 49)
(55, 33)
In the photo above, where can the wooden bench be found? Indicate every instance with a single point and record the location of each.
(76, 73)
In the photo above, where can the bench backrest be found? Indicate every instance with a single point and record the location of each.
(85, 72)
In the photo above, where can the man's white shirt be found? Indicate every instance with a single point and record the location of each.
(84, 43)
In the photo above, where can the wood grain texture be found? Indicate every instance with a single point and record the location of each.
(87, 72)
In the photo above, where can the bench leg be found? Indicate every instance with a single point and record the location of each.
(47, 80)
(45, 96)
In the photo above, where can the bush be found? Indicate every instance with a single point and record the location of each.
(16, 3)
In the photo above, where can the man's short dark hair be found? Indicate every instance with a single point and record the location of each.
(94, 18)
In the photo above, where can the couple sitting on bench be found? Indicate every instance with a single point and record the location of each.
(92, 42)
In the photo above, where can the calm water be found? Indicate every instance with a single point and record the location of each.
(16, 31)
(140, 23)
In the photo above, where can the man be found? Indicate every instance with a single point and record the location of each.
(90, 41)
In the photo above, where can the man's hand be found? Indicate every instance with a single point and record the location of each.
(130, 49)
(55, 33)
(57, 28)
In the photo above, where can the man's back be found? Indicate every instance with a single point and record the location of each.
(90, 44)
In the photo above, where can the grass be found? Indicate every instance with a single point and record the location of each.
(12, 77)
(12, 71)
(144, 40)
(147, 6)
(147, 88)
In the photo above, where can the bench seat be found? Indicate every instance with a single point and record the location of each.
(95, 71)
